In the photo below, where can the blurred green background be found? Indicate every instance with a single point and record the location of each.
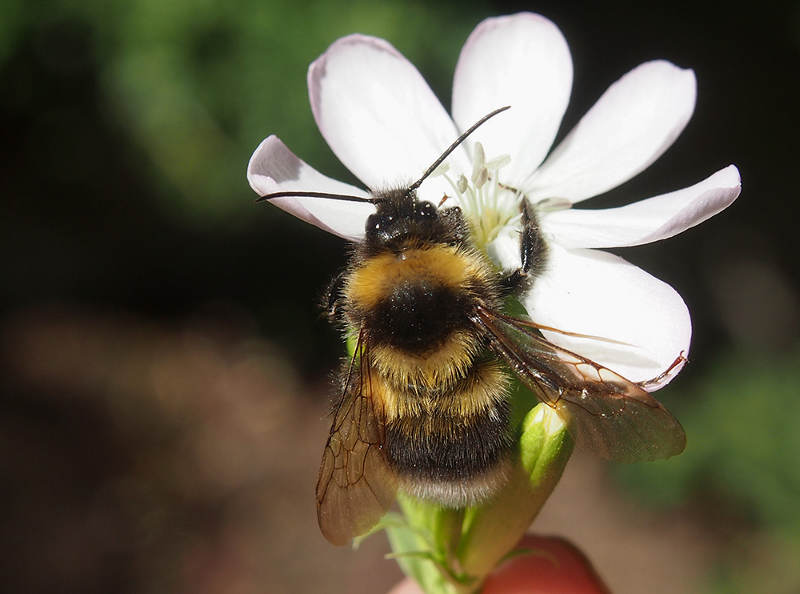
(164, 364)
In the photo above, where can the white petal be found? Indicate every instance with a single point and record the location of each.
(599, 294)
(523, 61)
(274, 168)
(647, 220)
(379, 115)
(629, 127)
(504, 250)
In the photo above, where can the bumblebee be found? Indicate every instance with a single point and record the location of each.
(424, 401)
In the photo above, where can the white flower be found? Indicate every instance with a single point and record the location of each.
(385, 124)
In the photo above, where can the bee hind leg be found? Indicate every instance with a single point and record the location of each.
(533, 252)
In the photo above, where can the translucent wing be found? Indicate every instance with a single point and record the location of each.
(355, 485)
(612, 416)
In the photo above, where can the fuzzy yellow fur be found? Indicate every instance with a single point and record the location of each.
(446, 377)
(439, 368)
(484, 387)
(447, 265)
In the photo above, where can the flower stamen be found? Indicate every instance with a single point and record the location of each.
(489, 206)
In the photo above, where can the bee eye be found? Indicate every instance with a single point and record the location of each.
(373, 223)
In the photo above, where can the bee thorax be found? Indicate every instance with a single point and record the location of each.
(416, 299)
(418, 316)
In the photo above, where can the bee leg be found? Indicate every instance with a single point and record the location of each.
(332, 301)
(656, 380)
(532, 252)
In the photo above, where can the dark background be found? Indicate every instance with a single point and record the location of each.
(164, 364)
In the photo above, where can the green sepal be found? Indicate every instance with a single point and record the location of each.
(390, 519)
(411, 548)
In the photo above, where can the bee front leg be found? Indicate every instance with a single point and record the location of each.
(333, 298)
(533, 252)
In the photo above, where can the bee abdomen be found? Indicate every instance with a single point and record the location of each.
(456, 460)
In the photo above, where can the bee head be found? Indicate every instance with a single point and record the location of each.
(399, 216)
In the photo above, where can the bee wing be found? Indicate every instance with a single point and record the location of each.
(355, 485)
(612, 416)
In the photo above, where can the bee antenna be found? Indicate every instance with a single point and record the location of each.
(453, 147)
(318, 195)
